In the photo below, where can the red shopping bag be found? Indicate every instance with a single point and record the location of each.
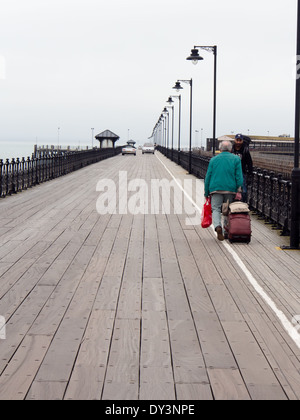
(206, 217)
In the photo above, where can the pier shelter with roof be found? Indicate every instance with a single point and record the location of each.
(107, 139)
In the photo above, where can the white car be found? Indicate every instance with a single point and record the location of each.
(148, 148)
(129, 150)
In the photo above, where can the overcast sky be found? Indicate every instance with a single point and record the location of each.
(111, 64)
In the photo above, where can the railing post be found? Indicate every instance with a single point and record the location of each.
(17, 174)
(28, 172)
(36, 164)
(23, 173)
(280, 198)
(7, 176)
(271, 197)
(13, 183)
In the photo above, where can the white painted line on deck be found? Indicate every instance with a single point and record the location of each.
(288, 326)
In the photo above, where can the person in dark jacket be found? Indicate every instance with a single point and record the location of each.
(241, 149)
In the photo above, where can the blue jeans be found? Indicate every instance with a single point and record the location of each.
(216, 204)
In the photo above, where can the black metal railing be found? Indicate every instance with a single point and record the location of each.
(19, 174)
(269, 194)
(199, 163)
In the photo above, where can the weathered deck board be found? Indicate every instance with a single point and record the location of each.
(138, 306)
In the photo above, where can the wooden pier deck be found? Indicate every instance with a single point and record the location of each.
(140, 307)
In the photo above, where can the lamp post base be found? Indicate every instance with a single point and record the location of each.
(289, 248)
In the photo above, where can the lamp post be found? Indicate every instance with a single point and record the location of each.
(163, 134)
(162, 130)
(172, 141)
(195, 57)
(178, 87)
(165, 112)
(156, 132)
(295, 205)
(170, 101)
(159, 131)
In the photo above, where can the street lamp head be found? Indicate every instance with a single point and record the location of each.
(177, 86)
(170, 100)
(195, 57)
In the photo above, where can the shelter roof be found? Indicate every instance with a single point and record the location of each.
(107, 135)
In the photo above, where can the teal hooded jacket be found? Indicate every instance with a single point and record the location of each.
(224, 174)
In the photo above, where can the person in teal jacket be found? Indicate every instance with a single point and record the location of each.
(224, 179)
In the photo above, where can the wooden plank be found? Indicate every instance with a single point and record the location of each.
(57, 364)
(189, 272)
(130, 299)
(12, 275)
(157, 381)
(284, 363)
(176, 299)
(262, 329)
(152, 263)
(7, 247)
(44, 391)
(189, 353)
(216, 351)
(117, 258)
(275, 274)
(194, 392)
(27, 282)
(67, 340)
(55, 308)
(19, 374)
(153, 295)
(106, 302)
(19, 324)
(86, 381)
(4, 267)
(252, 363)
(122, 377)
(227, 384)
(188, 362)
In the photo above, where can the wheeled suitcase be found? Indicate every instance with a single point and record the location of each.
(239, 223)
(239, 227)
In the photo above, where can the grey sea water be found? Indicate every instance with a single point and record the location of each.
(9, 150)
